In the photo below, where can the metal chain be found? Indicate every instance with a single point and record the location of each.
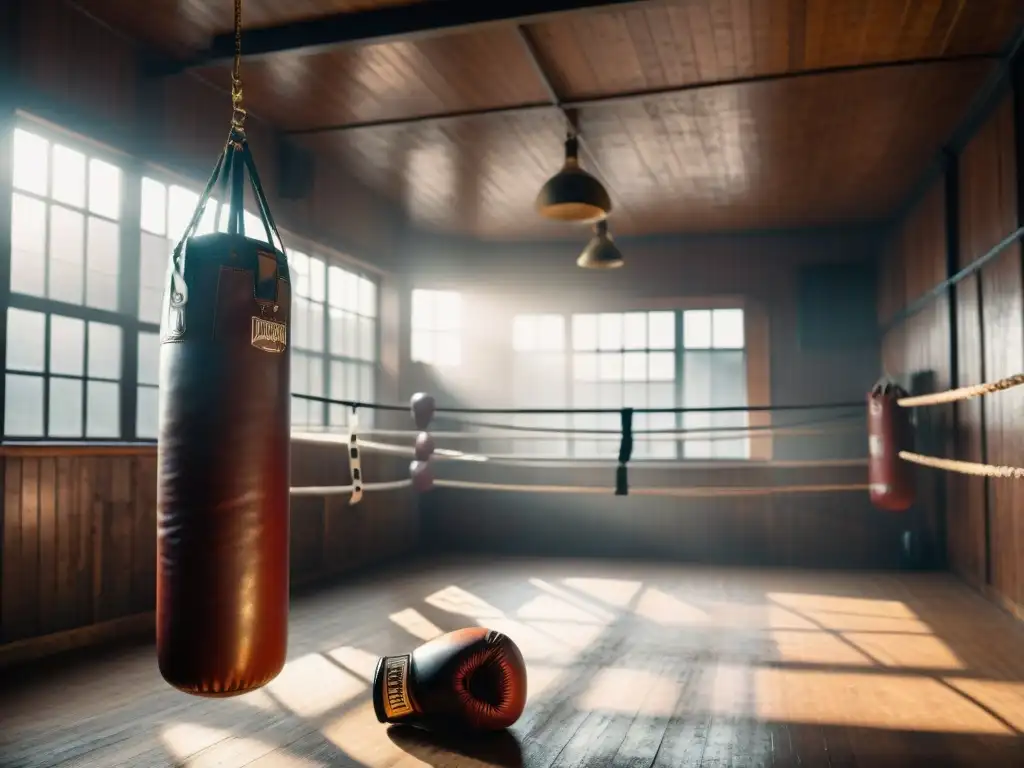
(963, 393)
(238, 112)
(964, 467)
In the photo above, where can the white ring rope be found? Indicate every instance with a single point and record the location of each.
(341, 490)
(694, 492)
(525, 460)
(963, 393)
(963, 467)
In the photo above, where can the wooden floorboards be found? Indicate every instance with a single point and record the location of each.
(631, 665)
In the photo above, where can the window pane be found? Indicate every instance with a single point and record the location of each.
(28, 245)
(300, 373)
(104, 189)
(367, 298)
(23, 410)
(68, 176)
(635, 331)
(298, 265)
(349, 291)
(148, 412)
(316, 326)
(26, 341)
(448, 311)
(316, 376)
(609, 366)
(727, 329)
(208, 223)
(181, 205)
(422, 346)
(366, 388)
(31, 162)
(149, 358)
(584, 332)
(661, 330)
(634, 366)
(524, 331)
(367, 339)
(254, 227)
(67, 345)
(584, 367)
(154, 257)
(153, 213)
(317, 280)
(662, 366)
(697, 329)
(103, 409)
(337, 413)
(609, 331)
(65, 408)
(67, 255)
(551, 333)
(103, 256)
(104, 351)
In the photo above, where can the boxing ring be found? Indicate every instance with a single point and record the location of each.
(425, 453)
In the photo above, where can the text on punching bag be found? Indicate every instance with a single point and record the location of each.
(269, 336)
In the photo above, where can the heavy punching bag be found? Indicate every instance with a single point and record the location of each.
(890, 478)
(224, 451)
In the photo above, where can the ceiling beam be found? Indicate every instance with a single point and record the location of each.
(642, 95)
(387, 24)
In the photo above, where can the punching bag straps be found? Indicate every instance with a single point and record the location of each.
(261, 201)
(236, 192)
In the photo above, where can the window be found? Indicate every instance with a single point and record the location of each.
(64, 333)
(353, 335)
(539, 379)
(65, 230)
(624, 360)
(309, 295)
(714, 375)
(63, 376)
(436, 328)
(652, 359)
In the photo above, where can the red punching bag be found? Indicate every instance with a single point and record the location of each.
(890, 478)
(224, 452)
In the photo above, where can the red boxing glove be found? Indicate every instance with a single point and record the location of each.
(471, 678)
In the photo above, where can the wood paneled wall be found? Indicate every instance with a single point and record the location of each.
(79, 536)
(758, 272)
(984, 335)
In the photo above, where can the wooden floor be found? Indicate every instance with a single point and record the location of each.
(630, 665)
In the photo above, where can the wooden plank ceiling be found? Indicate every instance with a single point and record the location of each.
(822, 149)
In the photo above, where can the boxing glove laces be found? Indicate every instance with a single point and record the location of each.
(471, 678)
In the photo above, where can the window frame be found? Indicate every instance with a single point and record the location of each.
(435, 332)
(126, 317)
(121, 317)
(755, 364)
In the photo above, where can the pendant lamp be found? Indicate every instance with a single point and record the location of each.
(601, 252)
(572, 194)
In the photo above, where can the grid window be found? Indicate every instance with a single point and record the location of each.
(353, 333)
(714, 375)
(624, 360)
(539, 379)
(63, 377)
(309, 296)
(65, 228)
(436, 328)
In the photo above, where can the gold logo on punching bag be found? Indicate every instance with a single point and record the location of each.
(396, 686)
(268, 335)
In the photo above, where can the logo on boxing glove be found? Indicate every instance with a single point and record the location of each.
(396, 686)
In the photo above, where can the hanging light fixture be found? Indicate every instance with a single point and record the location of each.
(601, 252)
(572, 194)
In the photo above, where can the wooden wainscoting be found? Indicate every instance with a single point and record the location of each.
(79, 537)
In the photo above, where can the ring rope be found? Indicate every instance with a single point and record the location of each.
(708, 433)
(696, 492)
(553, 462)
(340, 490)
(963, 393)
(963, 467)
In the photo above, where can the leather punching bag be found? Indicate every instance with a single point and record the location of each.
(224, 454)
(890, 478)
